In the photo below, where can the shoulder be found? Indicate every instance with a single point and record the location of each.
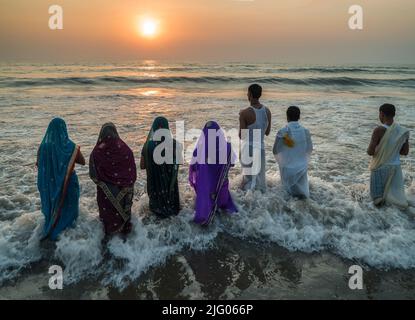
(246, 114)
(281, 132)
(245, 111)
(378, 133)
(268, 111)
(403, 129)
(379, 130)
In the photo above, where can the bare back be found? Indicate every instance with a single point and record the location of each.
(247, 117)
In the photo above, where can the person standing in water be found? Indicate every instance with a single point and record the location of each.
(292, 149)
(112, 168)
(57, 180)
(162, 174)
(208, 174)
(389, 141)
(254, 124)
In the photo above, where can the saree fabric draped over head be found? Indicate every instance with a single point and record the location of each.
(162, 183)
(113, 170)
(386, 179)
(208, 174)
(57, 181)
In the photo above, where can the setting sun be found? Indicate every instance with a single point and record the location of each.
(148, 27)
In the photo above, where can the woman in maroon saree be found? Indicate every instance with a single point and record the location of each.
(113, 170)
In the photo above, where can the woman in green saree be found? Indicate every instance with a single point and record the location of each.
(162, 168)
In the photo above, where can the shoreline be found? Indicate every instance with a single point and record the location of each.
(251, 271)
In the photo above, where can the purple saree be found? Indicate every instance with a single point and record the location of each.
(208, 174)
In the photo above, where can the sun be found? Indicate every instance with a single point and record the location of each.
(148, 27)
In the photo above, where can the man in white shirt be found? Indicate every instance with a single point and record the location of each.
(292, 149)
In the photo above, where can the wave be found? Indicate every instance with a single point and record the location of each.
(8, 82)
(348, 226)
(204, 68)
(371, 70)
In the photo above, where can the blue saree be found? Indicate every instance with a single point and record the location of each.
(57, 181)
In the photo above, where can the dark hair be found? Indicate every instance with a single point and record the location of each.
(293, 113)
(388, 110)
(255, 90)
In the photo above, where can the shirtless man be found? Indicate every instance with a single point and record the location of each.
(389, 141)
(255, 117)
(386, 117)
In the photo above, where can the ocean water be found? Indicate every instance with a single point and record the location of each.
(275, 247)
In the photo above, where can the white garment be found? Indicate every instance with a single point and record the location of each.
(293, 161)
(396, 157)
(386, 180)
(254, 172)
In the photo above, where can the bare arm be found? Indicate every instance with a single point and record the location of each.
(80, 158)
(268, 131)
(376, 137)
(37, 158)
(142, 163)
(242, 123)
(405, 148)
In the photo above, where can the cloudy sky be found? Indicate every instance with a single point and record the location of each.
(303, 31)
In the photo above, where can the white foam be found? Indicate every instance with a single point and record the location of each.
(356, 230)
(331, 220)
(19, 244)
(338, 218)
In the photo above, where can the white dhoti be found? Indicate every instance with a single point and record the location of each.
(295, 181)
(293, 159)
(253, 153)
(254, 172)
(386, 179)
(387, 186)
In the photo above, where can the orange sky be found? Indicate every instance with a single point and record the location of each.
(304, 31)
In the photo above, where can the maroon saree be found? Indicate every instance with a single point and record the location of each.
(113, 170)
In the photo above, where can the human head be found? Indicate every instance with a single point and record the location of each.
(386, 112)
(254, 92)
(56, 132)
(293, 113)
(108, 130)
(160, 123)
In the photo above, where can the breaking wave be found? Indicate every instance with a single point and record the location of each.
(336, 218)
(165, 80)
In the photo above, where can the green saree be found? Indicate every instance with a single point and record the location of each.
(162, 184)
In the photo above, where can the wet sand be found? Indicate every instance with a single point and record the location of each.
(275, 248)
(231, 270)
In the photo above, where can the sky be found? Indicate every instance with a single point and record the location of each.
(303, 31)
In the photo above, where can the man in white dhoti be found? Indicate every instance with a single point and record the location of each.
(254, 125)
(389, 141)
(292, 149)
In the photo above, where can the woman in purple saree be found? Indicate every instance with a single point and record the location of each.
(113, 170)
(208, 174)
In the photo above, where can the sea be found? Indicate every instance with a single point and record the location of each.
(276, 247)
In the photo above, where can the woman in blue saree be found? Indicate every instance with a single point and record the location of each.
(57, 181)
